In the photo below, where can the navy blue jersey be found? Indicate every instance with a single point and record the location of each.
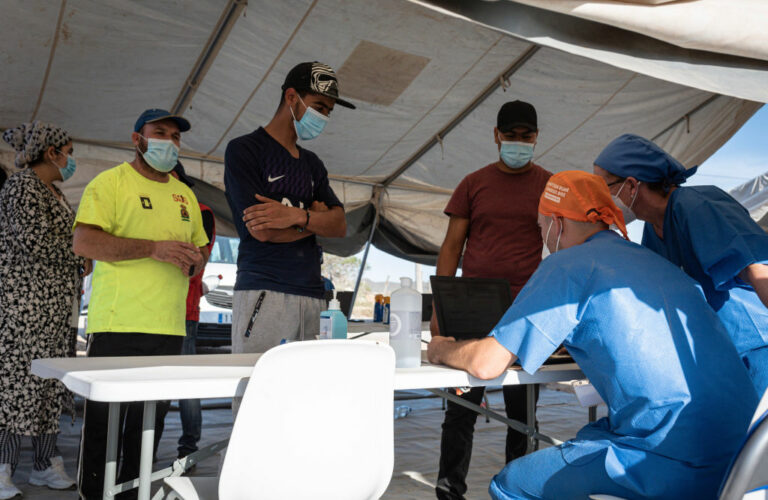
(257, 164)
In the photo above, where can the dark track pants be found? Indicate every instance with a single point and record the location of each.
(458, 431)
(93, 443)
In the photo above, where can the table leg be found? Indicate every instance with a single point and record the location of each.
(518, 426)
(110, 468)
(530, 420)
(147, 447)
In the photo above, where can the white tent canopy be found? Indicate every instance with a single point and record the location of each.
(428, 79)
(753, 194)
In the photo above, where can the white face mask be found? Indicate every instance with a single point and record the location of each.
(546, 239)
(629, 215)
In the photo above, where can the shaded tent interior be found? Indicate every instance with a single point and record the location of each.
(428, 78)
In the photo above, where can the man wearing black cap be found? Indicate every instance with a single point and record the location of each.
(494, 211)
(281, 199)
(145, 229)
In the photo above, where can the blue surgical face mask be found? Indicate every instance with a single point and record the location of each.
(161, 154)
(69, 170)
(516, 154)
(311, 124)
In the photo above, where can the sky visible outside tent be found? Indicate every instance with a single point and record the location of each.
(743, 157)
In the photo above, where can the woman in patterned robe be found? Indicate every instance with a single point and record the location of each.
(40, 279)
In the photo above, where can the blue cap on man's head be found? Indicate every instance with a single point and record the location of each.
(155, 115)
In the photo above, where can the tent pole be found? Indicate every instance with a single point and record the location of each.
(207, 57)
(518, 63)
(375, 224)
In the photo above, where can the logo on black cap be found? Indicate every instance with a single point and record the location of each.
(315, 77)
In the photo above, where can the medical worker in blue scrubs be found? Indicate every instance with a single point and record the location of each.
(679, 398)
(702, 230)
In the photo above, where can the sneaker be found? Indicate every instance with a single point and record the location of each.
(54, 477)
(188, 463)
(7, 488)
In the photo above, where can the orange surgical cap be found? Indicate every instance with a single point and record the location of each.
(582, 197)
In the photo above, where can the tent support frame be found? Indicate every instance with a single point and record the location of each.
(216, 41)
(377, 195)
(437, 138)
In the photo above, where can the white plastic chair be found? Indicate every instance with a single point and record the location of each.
(315, 422)
(749, 469)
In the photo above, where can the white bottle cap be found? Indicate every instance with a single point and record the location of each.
(406, 282)
(334, 304)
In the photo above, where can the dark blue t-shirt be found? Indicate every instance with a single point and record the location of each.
(257, 164)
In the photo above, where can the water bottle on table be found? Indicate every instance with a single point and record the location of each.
(405, 325)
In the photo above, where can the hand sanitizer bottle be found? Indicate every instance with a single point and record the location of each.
(333, 323)
(405, 325)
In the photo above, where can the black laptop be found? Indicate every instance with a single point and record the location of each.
(468, 308)
(344, 298)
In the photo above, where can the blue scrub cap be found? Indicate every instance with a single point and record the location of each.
(630, 155)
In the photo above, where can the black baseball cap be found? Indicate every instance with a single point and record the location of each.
(183, 177)
(516, 114)
(156, 114)
(315, 77)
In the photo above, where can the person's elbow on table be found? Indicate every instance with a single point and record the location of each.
(484, 359)
(490, 359)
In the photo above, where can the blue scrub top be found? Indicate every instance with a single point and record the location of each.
(643, 334)
(712, 238)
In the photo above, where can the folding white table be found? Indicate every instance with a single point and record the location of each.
(116, 380)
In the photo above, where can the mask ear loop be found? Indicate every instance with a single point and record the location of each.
(54, 163)
(138, 146)
(546, 238)
(557, 245)
(291, 109)
(632, 203)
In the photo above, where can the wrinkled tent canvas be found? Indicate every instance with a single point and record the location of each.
(428, 79)
(753, 194)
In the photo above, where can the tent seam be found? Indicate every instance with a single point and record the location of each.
(264, 78)
(588, 118)
(50, 60)
(207, 57)
(439, 101)
(518, 63)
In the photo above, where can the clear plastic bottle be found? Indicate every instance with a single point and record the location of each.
(405, 325)
(402, 411)
(385, 311)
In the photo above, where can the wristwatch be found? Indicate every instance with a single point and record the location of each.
(301, 229)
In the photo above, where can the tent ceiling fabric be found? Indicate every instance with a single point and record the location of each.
(724, 26)
(417, 70)
(729, 74)
(753, 195)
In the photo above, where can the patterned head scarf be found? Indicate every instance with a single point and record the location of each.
(30, 140)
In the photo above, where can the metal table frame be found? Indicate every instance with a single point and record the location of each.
(83, 376)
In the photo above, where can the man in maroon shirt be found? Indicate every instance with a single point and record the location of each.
(494, 211)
